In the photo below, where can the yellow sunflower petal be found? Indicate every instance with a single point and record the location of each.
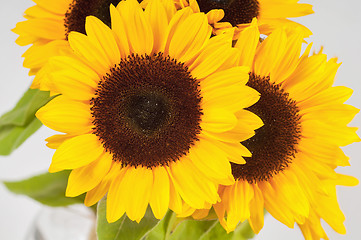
(304, 81)
(102, 37)
(189, 37)
(42, 28)
(93, 196)
(332, 113)
(237, 134)
(175, 201)
(76, 152)
(200, 214)
(71, 62)
(87, 177)
(138, 28)
(235, 151)
(170, 8)
(340, 135)
(296, 199)
(159, 199)
(211, 161)
(232, 98)
(191, 185)
(272, 204)
(289, 61)
(194, 5)
(40, 12)
(331, 95)
(323, 152)
(39, 82)
(215, 55)
(56, 140)
(272, 47)
(74, 85)
(285, 9)
(247, 43)
(95, 58)
(320, 169)
(215, 15)
(329, 210)
(249, 118)
(346, 180)
(218, 120)
(65, 115)
(38, 55)
(59, 7)
(24, 39)
(131, 192)
(312, 228)
(179, 17)
(157, 16)
(119, 31)
(186, 211)
(232, 76)
(256, 219)
(220, 207)
(115, 202)
(239, 210)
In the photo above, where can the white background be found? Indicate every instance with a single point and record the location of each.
(336, 26)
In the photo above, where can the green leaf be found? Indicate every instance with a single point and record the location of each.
(209, 230)
(24, 111)
(48, 189)
(124, 228)
(11, 136)
(20, 123)
(162, 230)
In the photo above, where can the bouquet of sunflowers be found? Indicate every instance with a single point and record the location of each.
(183, 119)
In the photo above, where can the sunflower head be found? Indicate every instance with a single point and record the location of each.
(153, 104)
(291, 172)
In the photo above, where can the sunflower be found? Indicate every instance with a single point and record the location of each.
(291, 172)
(48, 25)
(239, 13)
(152, 110)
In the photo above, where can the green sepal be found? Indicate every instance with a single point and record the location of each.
(124, 228)
(209, 230)
(48, 189)
(163, 229)
(193, 229)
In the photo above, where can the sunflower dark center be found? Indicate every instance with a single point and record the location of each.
(235, 11)
(147, 111)
(275, 144)
(80, 9)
